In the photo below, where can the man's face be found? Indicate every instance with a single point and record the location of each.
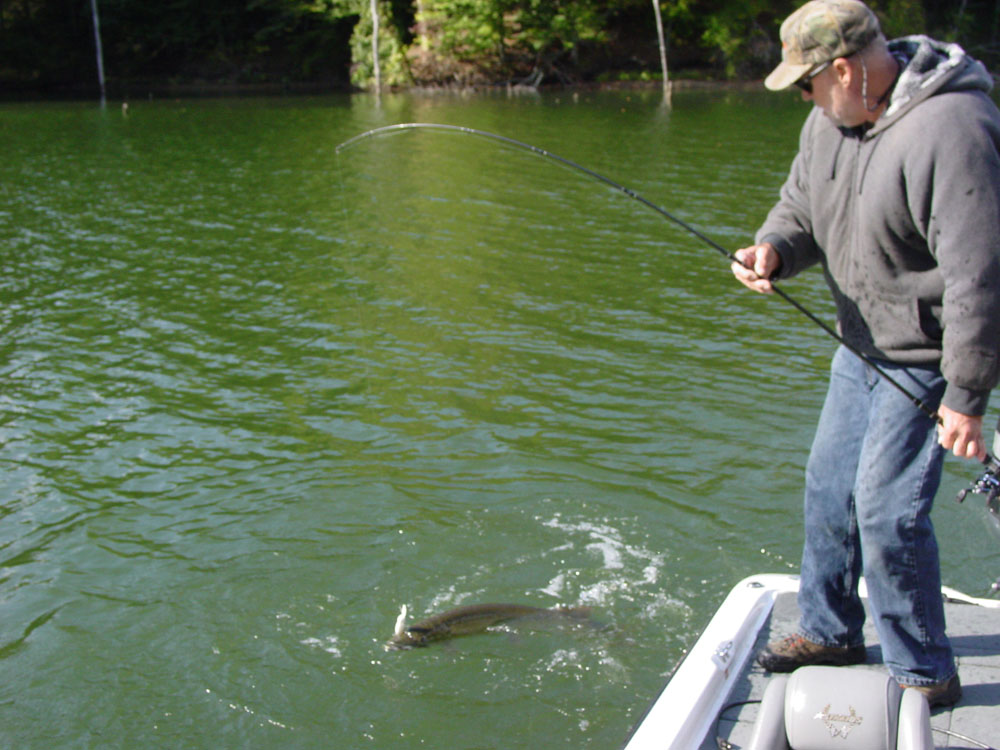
(833, 92)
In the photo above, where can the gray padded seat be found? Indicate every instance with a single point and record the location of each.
(835, 708)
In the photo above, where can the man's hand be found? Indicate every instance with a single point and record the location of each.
(757, 264)
(961, 434)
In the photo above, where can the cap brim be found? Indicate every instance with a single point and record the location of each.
(785, 75)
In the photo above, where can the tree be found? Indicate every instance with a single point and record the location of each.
(374, 33)
(461, 41)
(529, 40)
(100, 52)
(49, 45)
(743, 36)
(663, 47)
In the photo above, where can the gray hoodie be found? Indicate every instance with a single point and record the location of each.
(905, 220)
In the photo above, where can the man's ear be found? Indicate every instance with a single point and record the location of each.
(843, 70)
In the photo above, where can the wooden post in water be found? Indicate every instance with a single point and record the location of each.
(375, 60)
(663, 52)
(100, 51)
(421, 23)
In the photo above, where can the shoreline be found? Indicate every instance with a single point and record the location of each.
(149, 90)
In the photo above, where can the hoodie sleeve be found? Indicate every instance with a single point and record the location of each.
(788, 225)
(954, 184)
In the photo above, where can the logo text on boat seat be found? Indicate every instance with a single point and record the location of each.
(839, 725)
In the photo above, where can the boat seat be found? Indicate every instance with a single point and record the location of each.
(827, 708)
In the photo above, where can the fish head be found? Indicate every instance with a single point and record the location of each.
(406, 640)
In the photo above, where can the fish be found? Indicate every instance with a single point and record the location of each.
(468, 619)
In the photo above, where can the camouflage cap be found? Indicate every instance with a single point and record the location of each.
(820, 31)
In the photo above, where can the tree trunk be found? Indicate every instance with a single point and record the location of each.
(375, 61)
(100, 51)
(421, 24)
(663, 50)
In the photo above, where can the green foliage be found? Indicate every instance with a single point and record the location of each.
(743, 36)
(506, 38)
(464, 29)
(722, 37)
(560, 24)
(899, 17)
(393, 64)
(49, 44)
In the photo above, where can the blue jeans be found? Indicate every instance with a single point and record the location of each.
(872, 474)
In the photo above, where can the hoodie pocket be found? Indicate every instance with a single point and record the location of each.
(900, 323)
(929, 318)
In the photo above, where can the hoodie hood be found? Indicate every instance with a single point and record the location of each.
(930, 67)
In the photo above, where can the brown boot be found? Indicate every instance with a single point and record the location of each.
(795, 651)
(946, 693)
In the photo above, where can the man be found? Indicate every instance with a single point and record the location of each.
(895, 192)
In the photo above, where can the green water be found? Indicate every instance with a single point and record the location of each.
(257, 395)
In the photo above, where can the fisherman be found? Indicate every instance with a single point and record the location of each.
(895, 192)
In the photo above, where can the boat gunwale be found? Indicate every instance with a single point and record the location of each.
(688, 704)
(681, 715)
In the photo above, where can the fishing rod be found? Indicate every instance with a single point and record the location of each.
(988, 483)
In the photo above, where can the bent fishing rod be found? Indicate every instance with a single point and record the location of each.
(988, 483)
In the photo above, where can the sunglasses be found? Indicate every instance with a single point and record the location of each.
(805, 83)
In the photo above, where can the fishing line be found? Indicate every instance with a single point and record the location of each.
(389, 129)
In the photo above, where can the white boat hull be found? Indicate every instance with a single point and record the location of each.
(686, 710)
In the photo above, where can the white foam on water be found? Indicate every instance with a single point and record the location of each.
(563, 658)
(330, 644)
(633, 569)
(556, 587)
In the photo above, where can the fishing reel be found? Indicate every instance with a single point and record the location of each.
(989, 484)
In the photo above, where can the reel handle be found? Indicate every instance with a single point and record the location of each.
(988, 484)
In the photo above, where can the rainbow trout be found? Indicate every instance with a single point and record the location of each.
(471, 618)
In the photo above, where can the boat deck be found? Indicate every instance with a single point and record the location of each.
(975, 636)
